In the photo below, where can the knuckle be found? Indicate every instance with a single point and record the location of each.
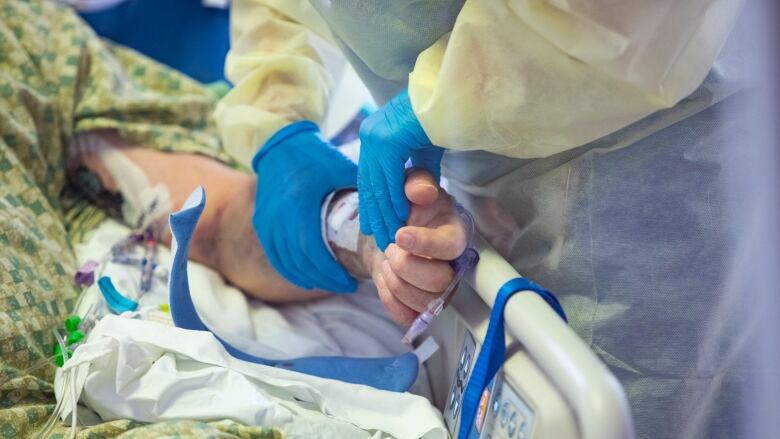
(388, 275)
(407, 265)
(399, 261)
(394, 260)
(385, 297)
(422, 242)
(381, 288)
(441, 280)
(394, 284)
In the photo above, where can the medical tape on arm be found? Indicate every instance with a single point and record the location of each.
(143, 205)
(341, 226)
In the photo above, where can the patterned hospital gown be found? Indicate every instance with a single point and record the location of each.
(57, 79)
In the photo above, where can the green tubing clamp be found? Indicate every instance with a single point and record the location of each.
(75, 335)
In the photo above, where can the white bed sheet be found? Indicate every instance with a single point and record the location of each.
(350, 325)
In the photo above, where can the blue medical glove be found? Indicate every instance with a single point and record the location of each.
(388, 138)
(296, 169)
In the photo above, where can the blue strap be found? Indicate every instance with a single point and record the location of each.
(491, 356)
(390, 373)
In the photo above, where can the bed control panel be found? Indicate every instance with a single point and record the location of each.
(502, 413)
(520, 403)
(509, 416)
(466, 359)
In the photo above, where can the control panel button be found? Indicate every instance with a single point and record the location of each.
(521, 431)
(461, 370)
(512, 427)
(504, 414)
(511, 417)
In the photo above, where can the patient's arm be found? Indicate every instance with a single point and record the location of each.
(225, 239)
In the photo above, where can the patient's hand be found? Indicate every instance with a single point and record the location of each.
(415, 269)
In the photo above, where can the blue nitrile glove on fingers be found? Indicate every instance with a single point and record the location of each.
(296, 169)
(388, 138)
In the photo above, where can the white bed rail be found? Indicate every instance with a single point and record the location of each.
(594, 394)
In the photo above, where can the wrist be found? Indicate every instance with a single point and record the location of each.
(370, 255)
(234, 237)
(356, 252)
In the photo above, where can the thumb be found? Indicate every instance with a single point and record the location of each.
(421, 188)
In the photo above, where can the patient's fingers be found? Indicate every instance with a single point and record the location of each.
(416, 270)
(423, 273)
(445, 242)
(406, 293)
(421, 188)
(401, 314)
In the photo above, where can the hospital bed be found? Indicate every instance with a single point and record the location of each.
(551, 384)
(548, 385)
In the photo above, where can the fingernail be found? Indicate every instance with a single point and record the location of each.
(405, 240)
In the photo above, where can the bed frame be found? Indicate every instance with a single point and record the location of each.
(551, 386)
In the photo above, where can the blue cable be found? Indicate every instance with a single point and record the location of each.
(116, 301)
(493, 352)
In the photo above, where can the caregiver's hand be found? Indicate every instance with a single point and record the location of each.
(415, 269)
(388, 138)
(295, 170)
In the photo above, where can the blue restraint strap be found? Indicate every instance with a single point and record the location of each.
(491, 355)
(391, 373)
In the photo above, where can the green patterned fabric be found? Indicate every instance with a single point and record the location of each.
(57, 79)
